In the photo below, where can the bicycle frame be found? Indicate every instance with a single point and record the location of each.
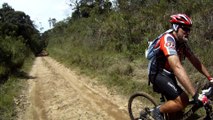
(186, 115)
(194, 108)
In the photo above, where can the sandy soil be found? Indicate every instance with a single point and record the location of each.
(58, 93)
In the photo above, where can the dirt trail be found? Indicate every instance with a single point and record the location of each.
(58, 93)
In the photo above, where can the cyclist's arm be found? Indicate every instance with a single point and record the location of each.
(180, 73)
(197, 64)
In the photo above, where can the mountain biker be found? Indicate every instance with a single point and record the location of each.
(173, 49)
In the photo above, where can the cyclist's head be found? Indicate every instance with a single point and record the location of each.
(180, 20)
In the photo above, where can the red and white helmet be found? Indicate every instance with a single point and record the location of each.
(180, 19)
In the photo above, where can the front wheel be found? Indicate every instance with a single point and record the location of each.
(139, 105)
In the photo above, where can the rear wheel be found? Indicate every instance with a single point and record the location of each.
(139, 104)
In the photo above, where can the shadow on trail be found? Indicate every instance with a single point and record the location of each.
(23, 75)
(17, 74)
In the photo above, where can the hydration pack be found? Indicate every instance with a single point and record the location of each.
(151, 51)
(150, 54)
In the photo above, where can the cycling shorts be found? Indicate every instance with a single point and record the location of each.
(167, 85)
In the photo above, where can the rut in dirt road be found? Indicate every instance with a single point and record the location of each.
(58, 93)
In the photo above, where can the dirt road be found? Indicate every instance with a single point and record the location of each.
(58, 93)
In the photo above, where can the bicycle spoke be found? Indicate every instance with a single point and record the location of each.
(140, 104)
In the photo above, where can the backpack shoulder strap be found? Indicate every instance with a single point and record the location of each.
(150, 52)
(168, 31)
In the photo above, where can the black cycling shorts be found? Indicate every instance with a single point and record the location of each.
(167, 85)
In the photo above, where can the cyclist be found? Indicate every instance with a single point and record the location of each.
(173, 49)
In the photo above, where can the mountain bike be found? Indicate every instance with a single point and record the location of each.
(141, 104)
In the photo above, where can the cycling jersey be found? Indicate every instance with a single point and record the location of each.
(163, 75)
(168, 47)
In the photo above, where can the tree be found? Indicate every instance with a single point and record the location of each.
(85, 8)
(76, 7)
(52, 22)
(17, 34)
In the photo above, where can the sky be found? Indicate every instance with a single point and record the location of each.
(40, 11)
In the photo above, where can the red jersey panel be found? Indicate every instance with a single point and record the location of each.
(168, 46)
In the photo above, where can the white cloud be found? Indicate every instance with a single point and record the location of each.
(41, 10)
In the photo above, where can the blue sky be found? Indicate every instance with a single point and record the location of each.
(40, 11)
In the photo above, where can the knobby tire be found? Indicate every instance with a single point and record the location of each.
(138, 102)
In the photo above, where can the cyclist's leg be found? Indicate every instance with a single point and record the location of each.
(174, 107)
(177, 98)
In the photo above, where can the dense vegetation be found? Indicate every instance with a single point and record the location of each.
(108, 39)
(19, 42)
(18, 39)
(105, 39)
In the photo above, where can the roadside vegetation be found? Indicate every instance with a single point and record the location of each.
(20, 42)
(108, 40)
(10, 91)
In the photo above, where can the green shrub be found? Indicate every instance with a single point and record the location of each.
(112, 45)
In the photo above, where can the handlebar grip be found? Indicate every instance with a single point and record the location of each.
(208, 92)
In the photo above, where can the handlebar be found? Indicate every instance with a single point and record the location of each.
(208, 92)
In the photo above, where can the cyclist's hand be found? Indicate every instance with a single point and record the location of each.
(200, 99)
(210, 81)
(203, 98)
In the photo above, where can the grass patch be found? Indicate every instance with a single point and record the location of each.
(119, 72)
(9, 91)
(12, 89)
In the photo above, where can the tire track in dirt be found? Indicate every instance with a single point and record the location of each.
(58, 93)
